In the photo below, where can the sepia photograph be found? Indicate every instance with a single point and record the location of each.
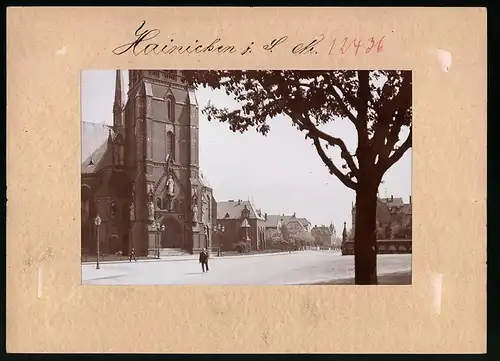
(246, 177)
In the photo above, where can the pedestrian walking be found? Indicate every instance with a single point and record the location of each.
(204, 260)
(132, 255)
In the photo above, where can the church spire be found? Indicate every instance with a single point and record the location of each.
(118, 104)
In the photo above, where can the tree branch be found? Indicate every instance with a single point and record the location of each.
(314, 132)
(398, 153)
(331, 166)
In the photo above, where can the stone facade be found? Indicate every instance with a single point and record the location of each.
(149, 169)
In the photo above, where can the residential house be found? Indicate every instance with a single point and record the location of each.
(324, 235)
(294, 224)
(238, 221)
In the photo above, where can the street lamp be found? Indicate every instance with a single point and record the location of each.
(97, 222)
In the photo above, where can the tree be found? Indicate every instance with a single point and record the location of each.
(378, 104)
(285, 233)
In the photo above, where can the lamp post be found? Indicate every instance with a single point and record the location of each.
(97, 222)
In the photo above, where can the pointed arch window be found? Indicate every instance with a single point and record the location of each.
(170, 108)
(158, 203)
(170, 144)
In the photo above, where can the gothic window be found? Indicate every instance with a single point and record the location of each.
(181, 206)
(175, 205)
(209, 208)
(158, 203)
(170, 143)
(170, 109)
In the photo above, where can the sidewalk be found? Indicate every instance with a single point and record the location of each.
(395, 278)
(182, 258)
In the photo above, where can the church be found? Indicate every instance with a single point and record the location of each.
(142, 176)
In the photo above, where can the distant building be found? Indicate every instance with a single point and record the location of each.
(239, 219)
(293, 223)
(394, 218)
(324, 235)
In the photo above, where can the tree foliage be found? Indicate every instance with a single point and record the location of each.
(377, 103)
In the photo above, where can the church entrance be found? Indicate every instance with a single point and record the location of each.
(172, 236)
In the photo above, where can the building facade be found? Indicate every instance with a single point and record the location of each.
(296, 227)
(239, 221)
(324, 235)
(144, 181)
(394, 218)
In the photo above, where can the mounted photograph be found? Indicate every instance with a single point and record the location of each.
(246, 177)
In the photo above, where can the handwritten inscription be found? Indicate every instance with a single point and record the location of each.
(148, 42)
(144, 44)
(357, 46)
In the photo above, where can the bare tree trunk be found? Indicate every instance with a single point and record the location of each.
(365, 255)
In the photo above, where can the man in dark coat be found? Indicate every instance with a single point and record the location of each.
(204, 259)
(132, 255)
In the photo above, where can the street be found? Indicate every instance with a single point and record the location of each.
(303, 267)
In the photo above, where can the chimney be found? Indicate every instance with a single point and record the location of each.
(410, 198)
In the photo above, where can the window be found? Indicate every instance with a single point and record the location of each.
(170, 144)
(170, 109)
(209, 208)
(171, 74)
(158, 203)
(113, 209)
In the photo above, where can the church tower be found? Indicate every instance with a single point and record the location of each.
(119, 104)
(162, 157)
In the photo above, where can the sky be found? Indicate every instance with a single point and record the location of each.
(280, 173)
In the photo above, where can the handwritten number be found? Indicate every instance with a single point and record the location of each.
(333, 45)
(357, 45)
(343, 45)
(372, 44)
(380, 45)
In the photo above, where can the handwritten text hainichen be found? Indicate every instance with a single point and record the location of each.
(143, 45)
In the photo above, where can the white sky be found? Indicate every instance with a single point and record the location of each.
(280, 172)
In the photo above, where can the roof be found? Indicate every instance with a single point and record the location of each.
(204, 181)
(322, 230)
(274, 219)
(234, 209)
(391, 202)
(95, 154)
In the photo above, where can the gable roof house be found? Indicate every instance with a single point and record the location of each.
(241, 221)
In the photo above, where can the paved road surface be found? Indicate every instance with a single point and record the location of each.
(304, 267)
